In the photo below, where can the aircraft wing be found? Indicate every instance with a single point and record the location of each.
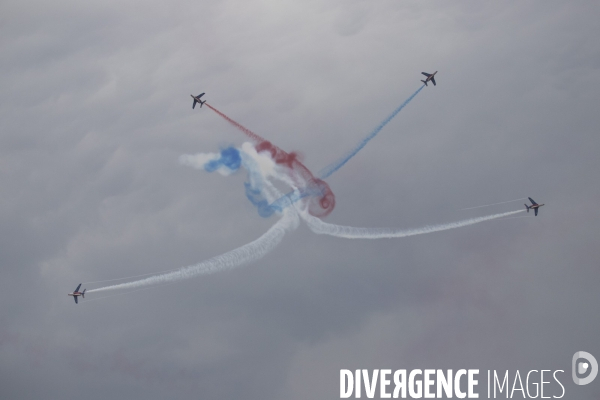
(426, 74)
(194, 105)
(77, 290)
(433, 80)
(532, 201)
(75, 297)
(200, 95)
(536, 210)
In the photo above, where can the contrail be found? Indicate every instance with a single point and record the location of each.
(350, 232)
(494, 204)
(331, 168)
(242, 255)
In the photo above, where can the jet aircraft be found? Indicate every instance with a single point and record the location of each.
(534, 206)
(197, 100)
(430, 77)
(77, 293)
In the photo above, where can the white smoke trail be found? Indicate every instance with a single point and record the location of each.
(259, 169)
(522, 216)
(115, 294)
(349, 232)
(242, 255)
(262, 170)
(494, 204)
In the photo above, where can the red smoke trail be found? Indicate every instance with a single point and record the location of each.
(326, 200)
(242, 128)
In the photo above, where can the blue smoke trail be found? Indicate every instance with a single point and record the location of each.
(230, 158)
(331, 168)
(292, 197)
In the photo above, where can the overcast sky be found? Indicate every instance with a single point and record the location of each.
(95, 112)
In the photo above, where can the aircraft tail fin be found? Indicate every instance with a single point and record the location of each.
(425, 82)
(83, 293)
(201, 103)
(527, 207)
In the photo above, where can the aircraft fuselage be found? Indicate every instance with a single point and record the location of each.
(76, 293)
(533, 207)
(197, 100)
(429, 78)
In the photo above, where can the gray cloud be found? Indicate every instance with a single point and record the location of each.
(95, 111)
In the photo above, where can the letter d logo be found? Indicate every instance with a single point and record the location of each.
(580, 368)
